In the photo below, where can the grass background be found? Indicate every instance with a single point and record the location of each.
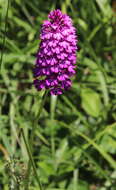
(75, 143)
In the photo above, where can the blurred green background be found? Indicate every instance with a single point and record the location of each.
(75, 143)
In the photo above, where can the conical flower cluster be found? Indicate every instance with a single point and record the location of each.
(56, 58)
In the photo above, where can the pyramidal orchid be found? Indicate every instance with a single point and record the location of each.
(56, 57)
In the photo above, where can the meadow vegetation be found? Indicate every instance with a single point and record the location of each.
(75, 137)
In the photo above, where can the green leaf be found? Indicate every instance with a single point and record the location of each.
(105, 7)
(83, 185)
(61, 152)
(91, 102)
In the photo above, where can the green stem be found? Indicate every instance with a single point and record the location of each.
(31, 158)
(52, 112)
(32, 138)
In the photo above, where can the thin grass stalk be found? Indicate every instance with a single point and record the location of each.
(32, 138)
(3, 45)
(31, 158)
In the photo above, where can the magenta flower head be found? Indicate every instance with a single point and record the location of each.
(56, 58)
